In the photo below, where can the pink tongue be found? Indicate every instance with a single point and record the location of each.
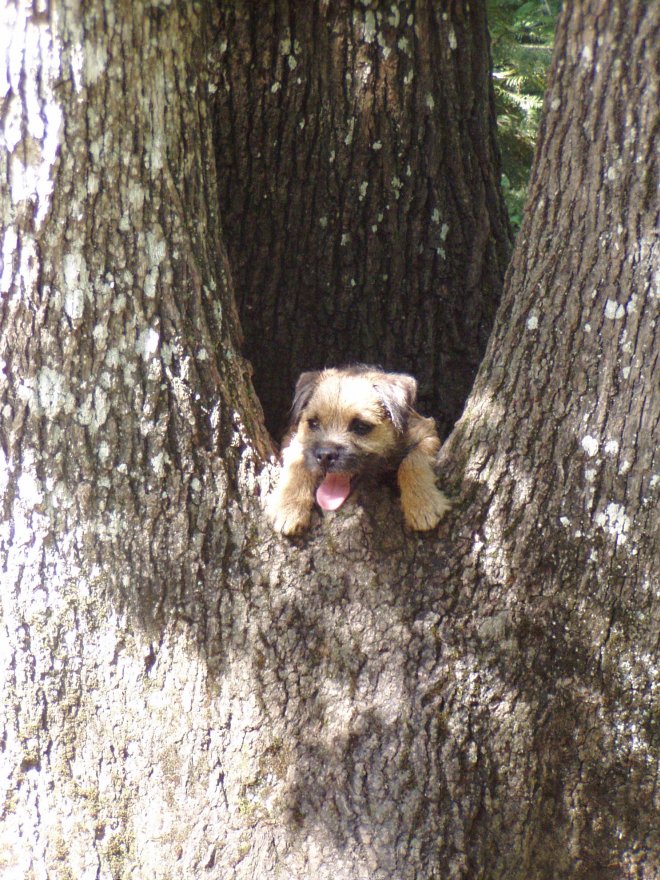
(333, 491)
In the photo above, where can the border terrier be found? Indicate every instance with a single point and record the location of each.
(348, 422)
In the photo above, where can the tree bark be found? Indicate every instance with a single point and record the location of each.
(185, 694)
(557, 451)
(359, 179)
(128, 423)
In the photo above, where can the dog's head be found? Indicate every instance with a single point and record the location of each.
(349, 421)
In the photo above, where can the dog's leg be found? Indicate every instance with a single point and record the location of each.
(290, 505)
(423, 503)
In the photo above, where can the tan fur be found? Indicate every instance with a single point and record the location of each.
(423, 503)
(399, 439)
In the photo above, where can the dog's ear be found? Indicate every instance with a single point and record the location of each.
(398, 393)
(304, 389)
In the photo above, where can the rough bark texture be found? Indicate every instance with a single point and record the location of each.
(359, 180)
(559, 444)
(125, 420)
(183, 694)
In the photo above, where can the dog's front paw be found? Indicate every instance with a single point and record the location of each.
(288, 519)
(426, 509)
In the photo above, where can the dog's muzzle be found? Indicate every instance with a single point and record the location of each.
(336, 465)
(327, 456)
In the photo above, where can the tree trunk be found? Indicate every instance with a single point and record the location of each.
(185, 694)
(359, 179)
(128, 425)
(557, 452)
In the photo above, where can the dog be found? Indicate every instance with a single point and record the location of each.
(346, 423)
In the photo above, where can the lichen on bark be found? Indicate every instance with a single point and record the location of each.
(184, 693)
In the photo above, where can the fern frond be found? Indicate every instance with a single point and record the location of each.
(521, 34)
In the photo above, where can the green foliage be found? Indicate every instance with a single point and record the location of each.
(521, 34)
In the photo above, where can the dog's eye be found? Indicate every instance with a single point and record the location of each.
(313, 424)
(357, 426)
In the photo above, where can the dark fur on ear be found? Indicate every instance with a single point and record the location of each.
(304, 389)
(398, 393)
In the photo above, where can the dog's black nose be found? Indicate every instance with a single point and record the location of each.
(326, 455)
